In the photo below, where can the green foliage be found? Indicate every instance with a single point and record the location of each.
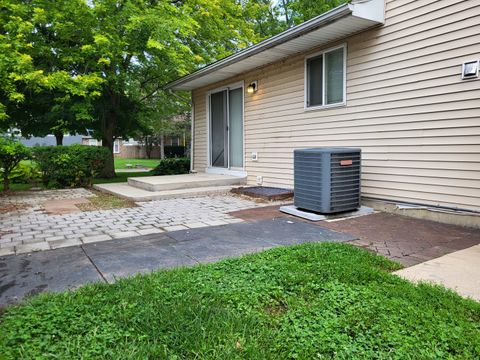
(172, 151)
(25, 172)
(311, 301)
(11, 153)
(172, 166)
(69, 166)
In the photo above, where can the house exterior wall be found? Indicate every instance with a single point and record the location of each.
(407, 107)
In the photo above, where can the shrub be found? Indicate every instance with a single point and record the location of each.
(25, 173)
(70, 166)
(11, 153)
(173, 166)
(172, 151)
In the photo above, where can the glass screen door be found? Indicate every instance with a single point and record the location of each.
(226, 128)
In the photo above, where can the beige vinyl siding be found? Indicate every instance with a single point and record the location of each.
(416, 120)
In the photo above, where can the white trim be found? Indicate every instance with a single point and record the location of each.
(306, 82)
(192, 135)
(232, 86)
(225, 171)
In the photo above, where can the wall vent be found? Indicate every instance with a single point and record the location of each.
(327, 180)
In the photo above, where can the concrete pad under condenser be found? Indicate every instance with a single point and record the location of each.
(308, 215)
(293, 210)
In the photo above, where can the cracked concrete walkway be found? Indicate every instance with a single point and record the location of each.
(67, 268)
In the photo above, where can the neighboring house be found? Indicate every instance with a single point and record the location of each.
(50, 140)
(132, 149)
(397, 79)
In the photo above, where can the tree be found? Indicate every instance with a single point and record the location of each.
(11, 153)
(40, 83)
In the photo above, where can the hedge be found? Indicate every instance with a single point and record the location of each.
(173, 166)
(70, 166)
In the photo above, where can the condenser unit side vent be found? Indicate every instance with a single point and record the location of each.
(327, 180)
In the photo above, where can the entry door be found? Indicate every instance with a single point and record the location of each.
(226, 128)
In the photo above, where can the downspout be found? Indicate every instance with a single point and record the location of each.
(192, 124)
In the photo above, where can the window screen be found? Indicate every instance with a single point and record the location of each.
(315, 81)
(326, 78)
(334, 76)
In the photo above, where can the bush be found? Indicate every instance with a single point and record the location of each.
(25, 173)
(173, 166)
(11, 153)
(172, 151)
(70, 166)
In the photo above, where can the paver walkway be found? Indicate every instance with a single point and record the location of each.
(67, 268)
(32, 229)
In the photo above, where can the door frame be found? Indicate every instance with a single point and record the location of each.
(235, 171)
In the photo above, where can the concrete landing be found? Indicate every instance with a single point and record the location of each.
(187, 181)
(459, 271)
(135, 194)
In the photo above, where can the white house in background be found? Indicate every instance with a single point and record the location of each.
(397, 78)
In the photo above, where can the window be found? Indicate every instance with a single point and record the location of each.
(92, 142)
(116, 147)
(175, 141)
(325, 78)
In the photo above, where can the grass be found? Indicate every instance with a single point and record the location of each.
(103, 201)
(122, 163)
(311, 301)
(121, 177)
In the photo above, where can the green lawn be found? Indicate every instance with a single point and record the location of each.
(149, 163)
(121, 177)
(312, 301)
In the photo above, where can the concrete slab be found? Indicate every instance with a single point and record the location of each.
(135, 194)
(64, 268)
(312, 216)
(55, 270)
(187, 181)
(459, 271)
(130, 256)
(63, 206)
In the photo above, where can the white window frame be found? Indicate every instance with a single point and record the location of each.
(92, 142)
(116, 146)
(306, 82)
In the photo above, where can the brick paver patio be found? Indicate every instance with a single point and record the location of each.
(32, 229)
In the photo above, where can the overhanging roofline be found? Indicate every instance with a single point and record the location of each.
(366, 9)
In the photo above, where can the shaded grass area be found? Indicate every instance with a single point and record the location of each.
(121, 177)
(148, 163)
(103, 201)
(302, 302)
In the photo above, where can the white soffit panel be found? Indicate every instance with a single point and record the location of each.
(335, 24)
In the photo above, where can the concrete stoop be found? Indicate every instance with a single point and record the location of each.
(172, 186)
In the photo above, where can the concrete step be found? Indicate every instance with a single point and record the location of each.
(132, 193)
(177, 182)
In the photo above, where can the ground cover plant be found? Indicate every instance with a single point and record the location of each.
(310, 301)
(103, 201)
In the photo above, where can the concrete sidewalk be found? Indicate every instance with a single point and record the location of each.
(459, 271)
(67, 268)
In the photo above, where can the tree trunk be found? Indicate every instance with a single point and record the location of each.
(108, 140)
(162, 146)
(109, 169)
(59, 138)
(6, 182)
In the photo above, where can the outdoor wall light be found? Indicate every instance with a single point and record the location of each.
(252, 88)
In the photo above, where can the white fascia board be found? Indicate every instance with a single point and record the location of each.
(371, 10)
